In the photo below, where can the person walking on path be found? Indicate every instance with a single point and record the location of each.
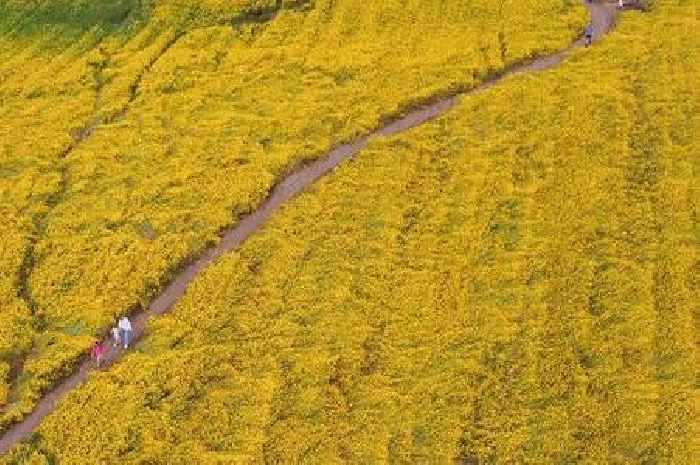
(589, 34)
(97, 353)
(126, 332)
(116, 336)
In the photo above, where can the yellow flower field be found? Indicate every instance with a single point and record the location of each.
(513, 283)
(133, 132)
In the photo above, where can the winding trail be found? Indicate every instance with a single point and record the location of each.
(603, 16)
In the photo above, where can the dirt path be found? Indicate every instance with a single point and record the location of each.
(603, 17)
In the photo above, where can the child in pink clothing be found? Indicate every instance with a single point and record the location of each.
(97, 353)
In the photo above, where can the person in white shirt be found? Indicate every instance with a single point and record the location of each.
(126, 332)
(116, 336)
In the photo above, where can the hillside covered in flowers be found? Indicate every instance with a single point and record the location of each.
(513, 283)
(132, 132)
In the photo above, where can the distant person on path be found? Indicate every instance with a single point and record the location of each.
(97, 353)
(126, 332)
(589, 35)
(116, 336)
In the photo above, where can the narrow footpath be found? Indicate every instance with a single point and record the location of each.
(603, 15)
